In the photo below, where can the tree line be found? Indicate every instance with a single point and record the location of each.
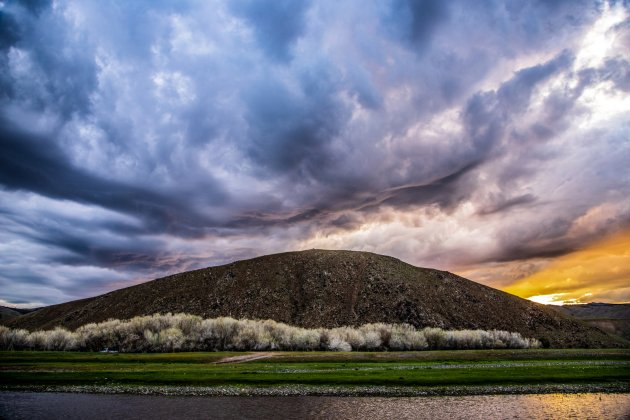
(184, 332)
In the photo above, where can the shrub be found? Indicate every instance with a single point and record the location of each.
(304, 339)
(183, 332)
(337, 344)
(13, 339)
(436, 338)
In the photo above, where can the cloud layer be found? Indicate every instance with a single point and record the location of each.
(143, 139)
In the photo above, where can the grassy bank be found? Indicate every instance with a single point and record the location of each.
(430, 369)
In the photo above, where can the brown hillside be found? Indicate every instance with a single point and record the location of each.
(609, 317)
(7, 313)
(328, 289)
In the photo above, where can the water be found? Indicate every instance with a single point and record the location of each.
(15, 405)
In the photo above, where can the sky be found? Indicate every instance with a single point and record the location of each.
(489, 138)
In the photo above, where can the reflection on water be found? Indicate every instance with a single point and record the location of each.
(15, 405)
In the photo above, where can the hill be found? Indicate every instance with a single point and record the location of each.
(318, 288)
(7, 313)
(610, 317)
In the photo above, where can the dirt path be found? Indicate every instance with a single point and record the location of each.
(245, 358)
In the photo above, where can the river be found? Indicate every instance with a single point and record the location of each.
(68, 406)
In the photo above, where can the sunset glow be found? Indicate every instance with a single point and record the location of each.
(600, 272)
(552, 299)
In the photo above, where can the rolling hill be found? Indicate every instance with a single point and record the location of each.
(7, 313)
(610, 317)
(319, 288)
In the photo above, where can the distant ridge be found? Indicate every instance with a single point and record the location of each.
(319, 288)
(613, 318)
(7, 313)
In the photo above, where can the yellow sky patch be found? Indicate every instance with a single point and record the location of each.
(600, 272)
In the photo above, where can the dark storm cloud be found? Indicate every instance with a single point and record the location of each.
(65, 74)
(277, 24)
(415, 20)
(540, 242)
(81, 248)
(553, 238)
(9, 35)
(36, 164)
(35, 6)
(515, 95)
(488, 113)
(443, 192)
(9, 31)
(290, 132)
(153, 137)
(506, 204)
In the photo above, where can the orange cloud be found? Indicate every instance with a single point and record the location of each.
(600, 272)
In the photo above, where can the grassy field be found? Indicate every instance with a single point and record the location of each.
(408, 369)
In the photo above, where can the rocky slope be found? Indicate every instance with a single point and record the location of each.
(328, 289)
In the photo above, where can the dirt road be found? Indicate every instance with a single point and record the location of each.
(245, 358)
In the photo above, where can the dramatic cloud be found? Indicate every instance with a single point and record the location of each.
(142, 139)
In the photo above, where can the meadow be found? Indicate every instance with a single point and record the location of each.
(426, 369)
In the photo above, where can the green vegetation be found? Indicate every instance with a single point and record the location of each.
(417, 369)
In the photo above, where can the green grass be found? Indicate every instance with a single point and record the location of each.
(435, 368)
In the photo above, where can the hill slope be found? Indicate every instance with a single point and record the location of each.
(612, 318)
(328, 289)
(7, 313)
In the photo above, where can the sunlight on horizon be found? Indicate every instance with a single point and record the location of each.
(582, 276)
(552, 299)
